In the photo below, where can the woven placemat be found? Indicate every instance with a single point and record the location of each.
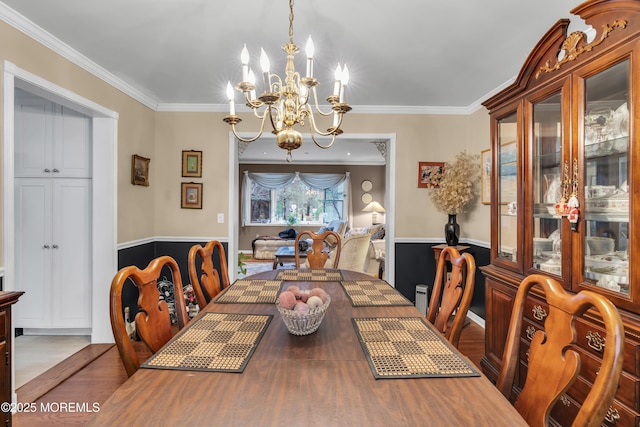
(251, 292)
(405, 347)
(310, 275)
(215, 342)
(375, 292)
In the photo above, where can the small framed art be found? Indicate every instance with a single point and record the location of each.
(192, 164)
(140, 170)
(191, 195)
(429, 174)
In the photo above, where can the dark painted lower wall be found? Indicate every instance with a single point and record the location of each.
(415, 264)
(140, 256)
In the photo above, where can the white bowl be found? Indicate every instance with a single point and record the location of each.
(600, 245)
(542, 244)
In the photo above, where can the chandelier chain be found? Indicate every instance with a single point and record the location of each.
(291, 21)
(289, 102)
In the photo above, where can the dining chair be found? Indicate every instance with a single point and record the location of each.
(553, 364)
(321, 245)
(354, 251)
(212, 281)
(153, 322)
(452, 293)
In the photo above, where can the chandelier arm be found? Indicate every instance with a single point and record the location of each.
(233, 129)
(314, 129)
(315, 101)
(258, 115)
(269, 110)
(333, 139)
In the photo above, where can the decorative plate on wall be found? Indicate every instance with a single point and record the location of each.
(366, 198)
(366, 185)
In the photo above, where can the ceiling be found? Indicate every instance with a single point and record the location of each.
(412, 56)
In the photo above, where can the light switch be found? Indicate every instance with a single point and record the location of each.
(220, 218)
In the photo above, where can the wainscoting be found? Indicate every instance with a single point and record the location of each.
(415, 264)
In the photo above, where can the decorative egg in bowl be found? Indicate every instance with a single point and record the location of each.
(302, 311)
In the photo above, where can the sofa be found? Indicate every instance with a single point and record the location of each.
(265, 247)
(376, 251)
(374, 259)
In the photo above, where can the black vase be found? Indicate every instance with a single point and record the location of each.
(452, 231)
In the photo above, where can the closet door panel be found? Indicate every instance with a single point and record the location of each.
(71, 253)
(33, 137)
(72, 151)
(33, 250)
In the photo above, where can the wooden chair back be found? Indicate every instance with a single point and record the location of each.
(318, 252)
(153, 322)
(452, 293)
(211, 281)
(553, 364)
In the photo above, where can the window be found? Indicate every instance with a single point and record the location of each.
(295, 203)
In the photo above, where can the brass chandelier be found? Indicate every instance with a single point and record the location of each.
(287, 103)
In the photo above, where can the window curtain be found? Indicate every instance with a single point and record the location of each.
(274, 181)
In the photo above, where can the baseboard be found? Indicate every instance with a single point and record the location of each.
(476, 319)
(47, 381)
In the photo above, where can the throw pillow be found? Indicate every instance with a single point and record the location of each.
(378, 235)
(323, 229)
(357, 231)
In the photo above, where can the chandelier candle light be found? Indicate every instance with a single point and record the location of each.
(287, 103)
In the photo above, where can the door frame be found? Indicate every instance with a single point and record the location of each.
(104, 207)
(390, 197)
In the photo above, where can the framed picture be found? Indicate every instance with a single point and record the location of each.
(485, 163)
(192, 164)
(191, 195)
(140, 170)
(429, 174)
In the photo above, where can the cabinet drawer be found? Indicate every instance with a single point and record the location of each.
(628, 388)
(591, 337)
(536, 310)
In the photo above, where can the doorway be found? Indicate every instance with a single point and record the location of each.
(389, 141)
(104, 125)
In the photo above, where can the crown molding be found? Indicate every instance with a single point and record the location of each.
(29, 28)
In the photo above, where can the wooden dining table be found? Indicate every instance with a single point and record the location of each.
(321, 379)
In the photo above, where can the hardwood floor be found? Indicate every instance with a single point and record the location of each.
(94, 382)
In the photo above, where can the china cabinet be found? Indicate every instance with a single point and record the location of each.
(7, 300)
(564, 199)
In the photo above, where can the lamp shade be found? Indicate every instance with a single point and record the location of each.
(373, 207)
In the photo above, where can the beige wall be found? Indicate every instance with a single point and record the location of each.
(135, 126)
(145, 212)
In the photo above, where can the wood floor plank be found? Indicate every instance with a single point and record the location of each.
(51, 378)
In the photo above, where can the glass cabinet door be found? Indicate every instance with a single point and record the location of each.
(507, 183)
(605, 175)
(548, 184)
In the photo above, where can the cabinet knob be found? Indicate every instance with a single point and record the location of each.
(55, 246)
(47, 170)
(55, 170)
(46, 247)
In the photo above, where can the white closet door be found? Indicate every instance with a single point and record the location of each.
(51, 140)
(71, 253)
(71, 150)
(33, 251)
(34, 136)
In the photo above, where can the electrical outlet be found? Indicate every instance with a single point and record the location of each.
(220, 218)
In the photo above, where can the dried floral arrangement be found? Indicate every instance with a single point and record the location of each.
(458, 184)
